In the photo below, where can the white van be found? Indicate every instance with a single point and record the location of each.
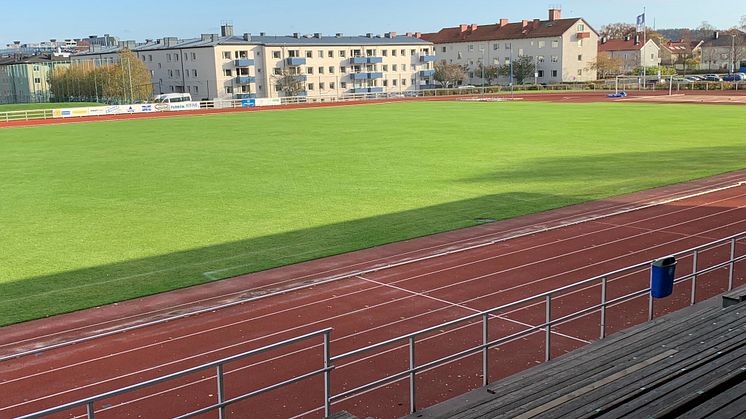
(173, 98)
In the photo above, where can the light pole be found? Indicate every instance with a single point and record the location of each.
(733, 53)
(511, 68)
(482, 50)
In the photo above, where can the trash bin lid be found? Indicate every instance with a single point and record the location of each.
(665, 262)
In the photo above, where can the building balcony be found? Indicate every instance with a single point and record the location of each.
(245, 79)
(367, 90)
(296, 61)
(428, 59)
(358, 60)
(244, 62)
(376, 90)
(360, 90)
(427, 73)
(300, 77)
(245, 95)
(374, 60)
(366, 76)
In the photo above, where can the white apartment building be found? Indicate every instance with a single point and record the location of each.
(632, 52)
(563, 49)
(723, 52)
(238, 67)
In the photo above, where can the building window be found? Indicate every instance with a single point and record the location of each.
(385, 67)
(227, 55)
(413, 52)
(403, 82)
(580, 42)
(393, 53)
(194, 73)
(507, 61)
(331, 69)
(554, 73)
(385, 53)
(321, 70)
(343, 84)
(172, 89)
(520, 52)
(330, 54)
(322, 86)
(580, 72)
(186, 57)
(581, 28)
(555, 44)
(37, 80)
(540, 58)
(471, 48)
(176, 57)
(541, 73)
(278, 71)
(309, 70)
(385, 83)
(342, 69)
(159, 65)
(393, 82)
(170, 73)
(196, 89)
(309, 54)
(394, 67)
(332, 85)
(403, 67)
(228, 89)
(310, 86)
(542, 44)
(168, 57)
(444, 49)
(495, 46)
(580, 57)
(178, 73)
(342, 53)
(555, 58)
(403, 52)
(150, 58)
(507, 46)
(321, 53)
(460, 56)
(228, 73)
(194, 58)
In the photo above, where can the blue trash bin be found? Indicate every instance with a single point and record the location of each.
(662, 273)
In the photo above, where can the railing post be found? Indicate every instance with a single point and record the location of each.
(732, 263)
(327, 374)
(89, 410)
(548, 340)
(603, 307)
(412, 383)
(650, 306)
(221, 390)
(694, 278)
(485, 350)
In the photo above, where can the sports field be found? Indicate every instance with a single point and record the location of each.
(35, 106)
(101, 212)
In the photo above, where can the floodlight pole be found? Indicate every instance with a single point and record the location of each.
(482, 49)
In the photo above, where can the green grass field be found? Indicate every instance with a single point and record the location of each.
(102, 212)
(35, 106)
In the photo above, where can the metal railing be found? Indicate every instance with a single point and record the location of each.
(219, 366)
(483, 318)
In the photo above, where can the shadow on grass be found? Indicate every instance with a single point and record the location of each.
(658, 168)
(26, 299)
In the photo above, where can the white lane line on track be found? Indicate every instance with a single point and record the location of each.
(306, 325)
(431, 290)
(713, 188)
(473, 310)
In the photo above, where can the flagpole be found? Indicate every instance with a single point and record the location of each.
(644, 41)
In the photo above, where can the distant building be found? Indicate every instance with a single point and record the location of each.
(632, 51)
(26, 79)
(676, 53)
(724, 50)
(227, 66)
(564, 49)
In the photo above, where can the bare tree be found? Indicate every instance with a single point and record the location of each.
(705, 30)
(290, 83)
(606, 65)
(618, 30)
(449, 75)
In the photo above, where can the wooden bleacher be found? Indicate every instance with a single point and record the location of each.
(691, 363)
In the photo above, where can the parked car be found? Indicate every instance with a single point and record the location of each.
(733, 77)
(711, 77)
(681, 80)
(695, 78)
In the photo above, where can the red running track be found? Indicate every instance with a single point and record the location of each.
(376, 306)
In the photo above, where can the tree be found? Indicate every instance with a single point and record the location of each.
(704, 30)
(523, 68)
(738, 50)
(606, 65)
(290, 83)
(449, 75)
(127, 80)
(491, 72)
(742, 23)
(618, 30)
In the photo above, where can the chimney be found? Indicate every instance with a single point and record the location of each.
(474, 27)
(537, 23)
(391, 35)
(418, 35)
(524, 23)
(204, 37)
(296, 35)
(626, 38)
(226, 29)
(463, 27)
(262, 33)
(339, 34)
(503, 22)
(369, 35)
(716, 35)
(317, 35)
(247, 36)
(604, 39)
(555, 14)
(637, 39)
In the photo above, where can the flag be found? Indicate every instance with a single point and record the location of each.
(641, 22)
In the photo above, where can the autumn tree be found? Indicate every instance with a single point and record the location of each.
(290, 82)
(618, 30)
(606, 65)
(523, 67)
(449, 75)
(491, 72)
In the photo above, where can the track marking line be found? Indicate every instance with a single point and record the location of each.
(726, 185)
(473, 310)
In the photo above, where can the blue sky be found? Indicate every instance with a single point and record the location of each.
(137, 19)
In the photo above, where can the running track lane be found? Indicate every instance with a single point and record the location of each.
(377, 306)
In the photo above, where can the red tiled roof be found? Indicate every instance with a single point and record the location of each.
(619, 45)
(476, 33)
